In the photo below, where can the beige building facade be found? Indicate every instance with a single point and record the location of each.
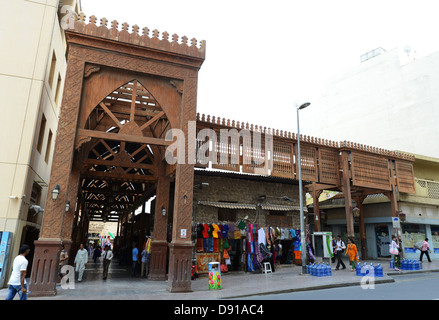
(32, 71)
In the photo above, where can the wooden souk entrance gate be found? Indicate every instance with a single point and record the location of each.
(123, 92)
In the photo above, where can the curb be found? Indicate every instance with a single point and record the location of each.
(319, 287)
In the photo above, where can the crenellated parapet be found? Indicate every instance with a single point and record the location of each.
(139, 36)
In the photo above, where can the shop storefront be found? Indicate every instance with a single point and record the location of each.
(240, 246)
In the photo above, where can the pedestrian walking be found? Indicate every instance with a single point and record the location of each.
(135, 259)
(339, 248)
(107, 256)
(424, 250)
(334, 251)
(17, 281)
(63, 259)
(97, 253)
(144, 269)
(80, 260)
(351, 251)
(394, 251)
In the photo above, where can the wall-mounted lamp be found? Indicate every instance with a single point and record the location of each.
(55, 192)
(67, 205)
(163, 211)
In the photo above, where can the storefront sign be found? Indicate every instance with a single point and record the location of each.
(396, 223)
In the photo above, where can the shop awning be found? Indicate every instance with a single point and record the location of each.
(250, 206)
(279, 207)
(228, 205)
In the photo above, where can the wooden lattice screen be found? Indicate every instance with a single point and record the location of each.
(405, 177)
(253, 153)
(370, 171)
(227, 153)
(283, 164)
(308, 158)
(328, 166)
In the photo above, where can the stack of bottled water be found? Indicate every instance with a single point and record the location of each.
(319, 269)
(371, 270)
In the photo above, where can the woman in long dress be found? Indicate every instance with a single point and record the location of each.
(80, 260)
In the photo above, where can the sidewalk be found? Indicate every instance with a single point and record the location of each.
(287, 278)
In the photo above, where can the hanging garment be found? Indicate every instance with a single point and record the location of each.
(199, 230)
(258, 254)
(210, 244)
(225, 230)
(226, 244)
(220, 244)
(215, 245)
(210, 231)
(205, 244)
(215, 230)
(205, 231)
(220, 231)
(200, 247)
(231, 231)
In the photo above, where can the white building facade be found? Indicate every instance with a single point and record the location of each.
(389, 101)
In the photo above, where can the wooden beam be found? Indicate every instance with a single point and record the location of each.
(118, 176)
(123, 137)
(121, 164)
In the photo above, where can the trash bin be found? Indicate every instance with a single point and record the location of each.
(214, 276)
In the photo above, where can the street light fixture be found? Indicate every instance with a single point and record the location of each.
(55, 192)
(302, 224)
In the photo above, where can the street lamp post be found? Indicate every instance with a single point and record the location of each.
(302, 224)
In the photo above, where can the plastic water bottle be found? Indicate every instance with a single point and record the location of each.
(392, 264)
(404, 264)
(371, 270)
(325, 270)
(358, 269)
(328, 267)
(319, 270)
(416, 264)
(312, 269)
(379, 270)
(364, 269)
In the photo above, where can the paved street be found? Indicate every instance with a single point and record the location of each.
(286, 281)
(421, 286)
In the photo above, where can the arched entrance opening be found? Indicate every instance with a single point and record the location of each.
(118, 175)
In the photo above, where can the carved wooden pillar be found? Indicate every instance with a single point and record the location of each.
(180, 251)
(47, 247)
(159, 244)
(359, 200)
(69, 216)
(316, 208)
(347, 193)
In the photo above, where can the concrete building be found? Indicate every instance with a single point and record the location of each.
(32, 70)
(388, 100)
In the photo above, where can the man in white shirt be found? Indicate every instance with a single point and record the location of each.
(339, 247)
(17, 281)
(80, 260)
(107, 256)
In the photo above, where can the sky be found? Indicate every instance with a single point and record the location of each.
(264, 56)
